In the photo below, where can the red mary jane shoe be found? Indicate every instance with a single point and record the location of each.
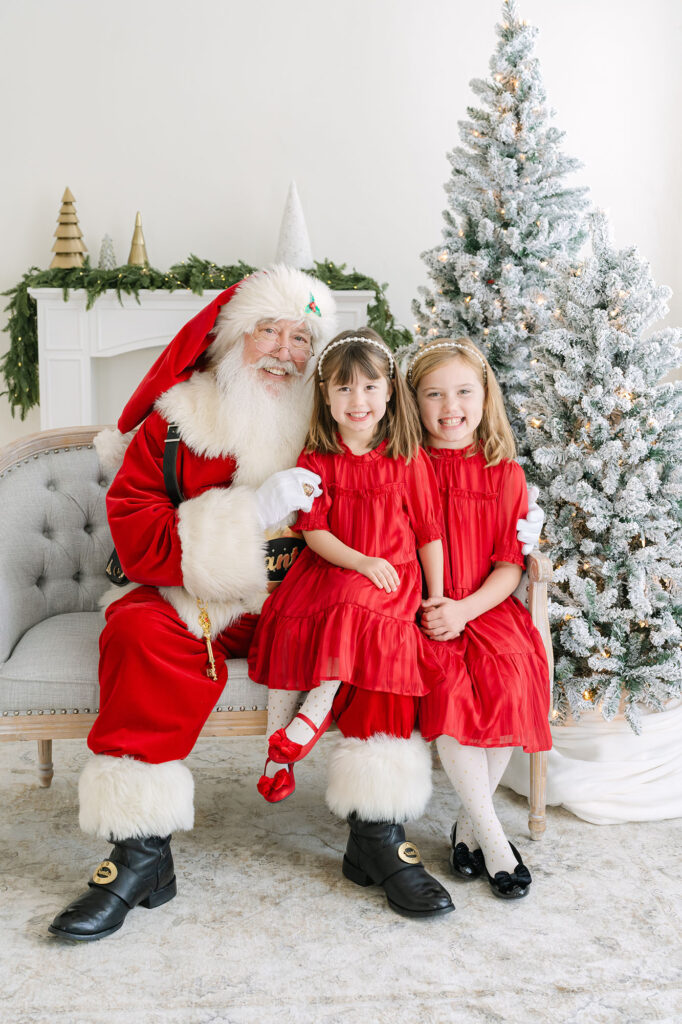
(279, 787)
(282, 750)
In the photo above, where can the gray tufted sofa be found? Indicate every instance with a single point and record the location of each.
(54, 545)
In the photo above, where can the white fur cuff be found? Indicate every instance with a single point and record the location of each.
(382, 779)
(223, 548)
(121, 798)
(111, 445)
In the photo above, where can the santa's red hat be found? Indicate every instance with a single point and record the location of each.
(278, 293)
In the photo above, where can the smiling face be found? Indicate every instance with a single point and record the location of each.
(358, 407)
(450, 400)
(277, 350)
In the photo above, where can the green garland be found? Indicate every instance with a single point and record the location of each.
(19, 365)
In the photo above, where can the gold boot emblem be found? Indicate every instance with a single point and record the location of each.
(409, 853)
(105, 873)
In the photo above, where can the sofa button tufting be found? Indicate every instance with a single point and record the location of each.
(47, 533)
(51, 486)
(88, 528)
(40, 582)
(76, 577)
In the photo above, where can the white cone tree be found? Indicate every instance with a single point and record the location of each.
(606, 439)
(510, 216)
(293, 247)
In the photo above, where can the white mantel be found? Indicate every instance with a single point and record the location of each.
(70, 338)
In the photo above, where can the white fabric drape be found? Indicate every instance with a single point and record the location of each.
(606, 774)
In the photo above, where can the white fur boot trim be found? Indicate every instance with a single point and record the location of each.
(223, 547)
(110, 445)
(382, 779)
(121, 798)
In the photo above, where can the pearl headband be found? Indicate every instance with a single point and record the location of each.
(449, 345)
(366, 341)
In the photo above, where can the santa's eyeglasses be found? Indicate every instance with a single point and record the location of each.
(269, 338)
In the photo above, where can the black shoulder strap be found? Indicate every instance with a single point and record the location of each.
(170, 464)
(114, 569)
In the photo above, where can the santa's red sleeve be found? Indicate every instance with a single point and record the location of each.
(212, 544)
(422, 500)
(142, 517)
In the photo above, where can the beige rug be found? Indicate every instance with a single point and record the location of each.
(265, 930)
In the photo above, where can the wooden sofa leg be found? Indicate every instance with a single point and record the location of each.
(45, 767)
(538, 792)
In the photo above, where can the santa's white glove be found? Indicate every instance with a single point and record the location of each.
(530, 528)
(285, 492)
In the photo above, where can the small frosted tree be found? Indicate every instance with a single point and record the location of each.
(107, 256)
(510, 216)
(606, 438)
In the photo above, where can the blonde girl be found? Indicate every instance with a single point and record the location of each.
(496, 695)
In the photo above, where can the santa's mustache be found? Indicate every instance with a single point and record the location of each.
(289, 366)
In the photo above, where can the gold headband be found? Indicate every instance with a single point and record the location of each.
(366, 341)
(449, 345)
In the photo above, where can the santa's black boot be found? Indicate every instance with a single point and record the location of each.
(139, 872)
(378, 854)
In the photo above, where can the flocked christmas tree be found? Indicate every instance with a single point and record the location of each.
(606, 438)
(510, 217)
(107, 256)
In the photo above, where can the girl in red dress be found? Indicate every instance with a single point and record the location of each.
(496, 695)
(345, 612)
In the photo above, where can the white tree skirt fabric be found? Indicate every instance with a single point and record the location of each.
(606, 774)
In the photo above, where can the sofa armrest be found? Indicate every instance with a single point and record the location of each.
(55, 540)
(539, 569)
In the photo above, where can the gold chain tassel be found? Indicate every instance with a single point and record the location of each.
(205, 624)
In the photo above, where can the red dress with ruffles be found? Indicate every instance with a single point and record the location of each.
(324, 622)
(497, 691)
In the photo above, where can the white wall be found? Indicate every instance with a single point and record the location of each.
(199, 114)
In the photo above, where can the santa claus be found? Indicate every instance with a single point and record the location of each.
(222, 415)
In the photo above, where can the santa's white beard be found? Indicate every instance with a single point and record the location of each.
(265, 424)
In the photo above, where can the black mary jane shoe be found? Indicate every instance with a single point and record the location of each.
(466, 864)
(511, 885)
(139, 872)
(378, 854)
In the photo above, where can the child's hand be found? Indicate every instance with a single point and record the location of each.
(380, 572)
(443, 618)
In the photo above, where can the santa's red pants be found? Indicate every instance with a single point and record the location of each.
(364, 713)
(155, 695)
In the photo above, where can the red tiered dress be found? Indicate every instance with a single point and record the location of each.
(500, 698)
(324, 622)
